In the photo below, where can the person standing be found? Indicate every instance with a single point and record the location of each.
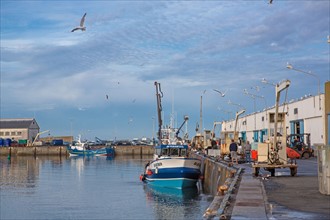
(233, 151)
(247, 149)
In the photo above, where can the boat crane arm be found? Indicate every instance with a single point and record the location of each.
(186, 118)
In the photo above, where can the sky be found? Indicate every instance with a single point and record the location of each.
(100, 82)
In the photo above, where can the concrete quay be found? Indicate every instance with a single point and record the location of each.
(62, 150)
(280, 197)
(251, 200)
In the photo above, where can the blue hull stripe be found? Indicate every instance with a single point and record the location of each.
(182, 172)
(173, 183)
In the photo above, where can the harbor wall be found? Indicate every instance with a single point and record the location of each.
(62, 151)
(215, 173)
(34, 151)
(134, 150)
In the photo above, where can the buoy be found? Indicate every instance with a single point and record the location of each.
(149, 172)
(142, 177)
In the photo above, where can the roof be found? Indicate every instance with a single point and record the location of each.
(17, 123)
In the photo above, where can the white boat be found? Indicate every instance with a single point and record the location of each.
(171, 166)
(80, 148)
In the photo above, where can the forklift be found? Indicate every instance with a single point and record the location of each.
(299, 146)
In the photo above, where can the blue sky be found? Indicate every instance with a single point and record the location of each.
(62, 78)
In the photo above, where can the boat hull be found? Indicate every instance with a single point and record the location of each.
(98, 152)
(173, 172)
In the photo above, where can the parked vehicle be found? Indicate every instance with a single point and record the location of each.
(299, 146)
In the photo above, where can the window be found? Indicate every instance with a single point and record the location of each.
(174, 152)
(272, 117)
(262, 118)
(295, 111)
(1, 133)
(183, 152)
(7, 133)
(13, 133)
(19, 133)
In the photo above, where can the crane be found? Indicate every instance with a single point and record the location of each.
(35, 139)
(159, 95)
(274, 154)
(236, 119)
(214, 125)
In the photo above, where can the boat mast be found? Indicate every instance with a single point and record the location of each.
(159, 95)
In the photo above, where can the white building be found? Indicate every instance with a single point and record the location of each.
(309, 114)
(19, 129)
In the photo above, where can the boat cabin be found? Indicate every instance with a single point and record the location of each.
(171, 150)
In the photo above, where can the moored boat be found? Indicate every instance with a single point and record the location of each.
(171, 166)
(80, 148)
(87, 152)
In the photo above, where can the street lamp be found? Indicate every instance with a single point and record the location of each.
(263, 80)
(290, 67)
(201, 112)
(231, 103)
(253, 96)
(228, 112)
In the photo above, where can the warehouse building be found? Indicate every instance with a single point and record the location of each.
(308, 114)
(19, 129)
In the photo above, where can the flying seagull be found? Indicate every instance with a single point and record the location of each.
(221, 93)
(106, 96)
(81, 27)
(270, 1)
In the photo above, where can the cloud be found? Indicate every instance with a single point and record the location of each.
(187, 46)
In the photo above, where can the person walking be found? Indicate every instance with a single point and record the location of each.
(247, 149)
(233, 151)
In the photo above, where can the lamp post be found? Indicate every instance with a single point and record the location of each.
(228, 112)
(231, 103)
(263, 80)
(253, 96)
(290, 67)
(201, 113)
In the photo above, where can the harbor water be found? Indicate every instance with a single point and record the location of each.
(89, 188)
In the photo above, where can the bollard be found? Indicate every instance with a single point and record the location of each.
(222, 189)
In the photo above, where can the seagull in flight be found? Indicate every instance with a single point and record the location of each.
(81, 27)
(270, 1)
(222, 94)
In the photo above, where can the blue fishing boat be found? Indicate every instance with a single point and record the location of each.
(110, 151)
(83, 149)
(171, 166)
(87, 152)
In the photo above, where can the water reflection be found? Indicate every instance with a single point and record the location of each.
(23, 172)
(89, 188)
(169, 203)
